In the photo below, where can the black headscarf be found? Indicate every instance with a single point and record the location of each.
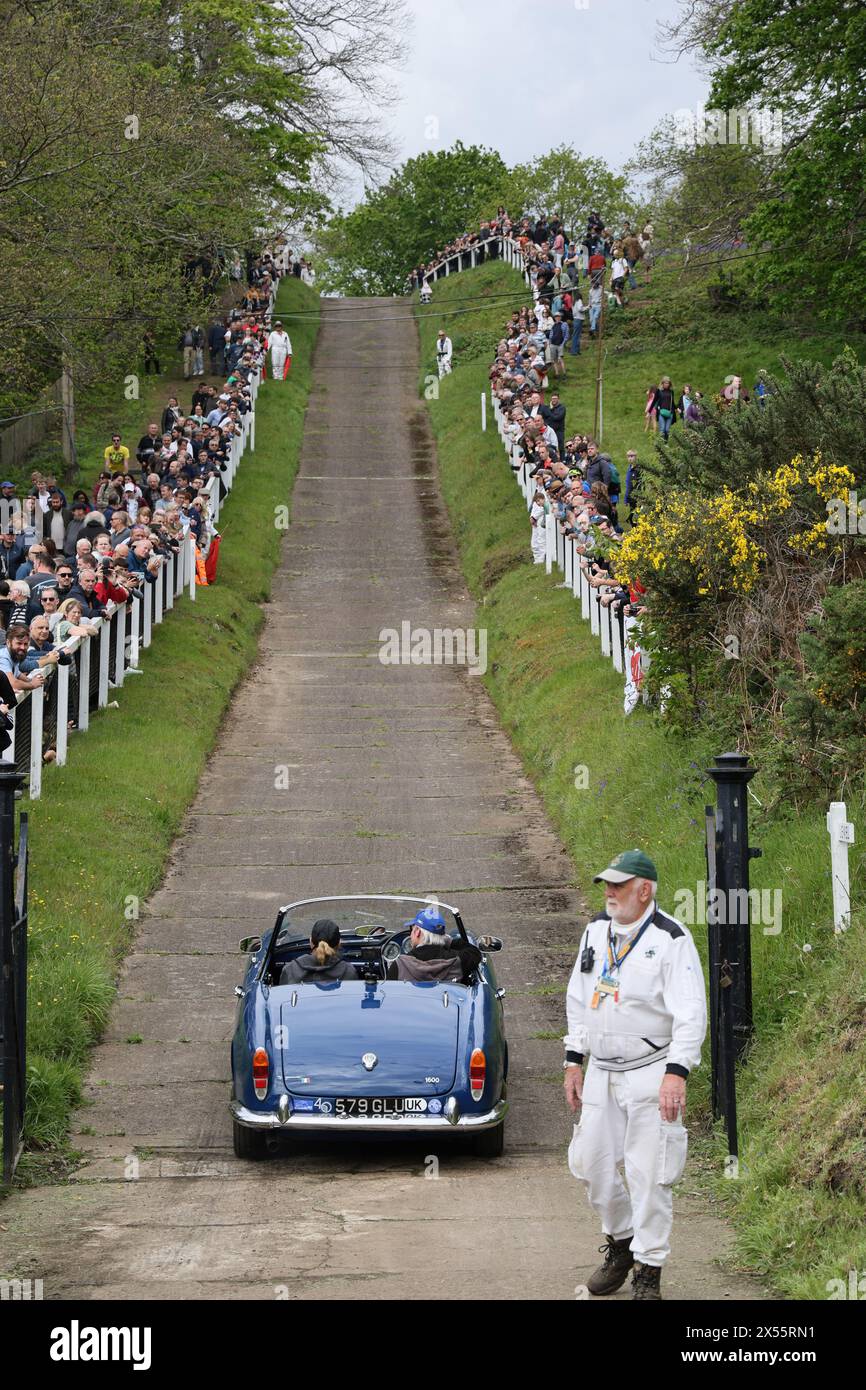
(324, 930)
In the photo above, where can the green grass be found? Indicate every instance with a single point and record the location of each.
(702, 347)
(101, 833)
(799, 1205)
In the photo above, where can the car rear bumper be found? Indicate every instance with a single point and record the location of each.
(370, 1124)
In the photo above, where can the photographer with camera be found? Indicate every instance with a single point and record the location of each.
(111, 584)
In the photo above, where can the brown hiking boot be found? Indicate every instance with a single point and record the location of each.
(612, 1274)
(646, 1281)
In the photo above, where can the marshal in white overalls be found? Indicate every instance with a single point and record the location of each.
(280, 348)
(651, 1018)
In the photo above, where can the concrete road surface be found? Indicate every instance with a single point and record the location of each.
(337, 774)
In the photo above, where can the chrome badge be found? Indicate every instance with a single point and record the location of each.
(369, 1059)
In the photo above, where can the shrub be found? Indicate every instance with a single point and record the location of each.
(826, 701)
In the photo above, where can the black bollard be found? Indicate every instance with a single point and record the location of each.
(13, 974)
(731, 775)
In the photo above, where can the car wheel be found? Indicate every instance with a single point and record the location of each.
(248, 1143)
(490, 1143)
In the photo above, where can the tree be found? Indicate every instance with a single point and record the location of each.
(345, 49)
(305, 76)
(565, 183)
(805, 60)
(130, 150)
(700, 191)
(426, 203)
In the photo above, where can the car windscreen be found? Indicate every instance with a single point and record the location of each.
(359, 916)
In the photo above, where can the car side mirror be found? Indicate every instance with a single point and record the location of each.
(490, 943)
(250, 944)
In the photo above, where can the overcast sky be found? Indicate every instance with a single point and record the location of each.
(521, 77)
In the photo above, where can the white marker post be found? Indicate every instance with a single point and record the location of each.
(484, 410)
(549, 542)
(841, 832)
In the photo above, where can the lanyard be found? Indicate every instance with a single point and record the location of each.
(614, 961)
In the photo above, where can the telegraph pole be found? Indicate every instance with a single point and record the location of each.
(599, 384)
(67, 404)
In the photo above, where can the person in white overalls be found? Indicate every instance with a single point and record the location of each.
(280, 348)
(636, 1004)
(444, 353)
(538, 522)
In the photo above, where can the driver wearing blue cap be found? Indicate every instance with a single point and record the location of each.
(433, 955)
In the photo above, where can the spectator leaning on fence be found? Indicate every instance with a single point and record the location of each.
(70, 622)
(60, 564)
(14, 654)
(575, 483)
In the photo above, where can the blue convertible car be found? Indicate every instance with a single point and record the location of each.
(371, 1055)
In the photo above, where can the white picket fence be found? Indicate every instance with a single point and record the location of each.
(507, 250)
(611, 627)
(104, 660)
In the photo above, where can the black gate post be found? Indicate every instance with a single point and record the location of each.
(731, 775)
(13, 970)
(714, 949)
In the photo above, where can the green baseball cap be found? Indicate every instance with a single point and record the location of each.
(632, 863)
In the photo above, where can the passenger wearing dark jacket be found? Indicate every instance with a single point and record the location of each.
(433, 955)
(216, 338)
(323, 963)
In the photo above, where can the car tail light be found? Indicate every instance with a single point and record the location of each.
(477, 1073)
(261, 1067)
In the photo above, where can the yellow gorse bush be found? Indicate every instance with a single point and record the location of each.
(717, 545)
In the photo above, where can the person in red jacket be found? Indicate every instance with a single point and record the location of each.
(107, 588)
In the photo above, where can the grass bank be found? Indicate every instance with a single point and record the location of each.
(798, 1204)
(101, 833)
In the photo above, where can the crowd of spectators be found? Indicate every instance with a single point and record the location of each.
(66, 555)
(574, 481)
(560, 267)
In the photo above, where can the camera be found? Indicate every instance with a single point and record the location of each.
(64, 658)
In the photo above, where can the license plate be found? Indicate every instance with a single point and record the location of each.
(359, 1106)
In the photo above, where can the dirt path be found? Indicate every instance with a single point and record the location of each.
(399, 779)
